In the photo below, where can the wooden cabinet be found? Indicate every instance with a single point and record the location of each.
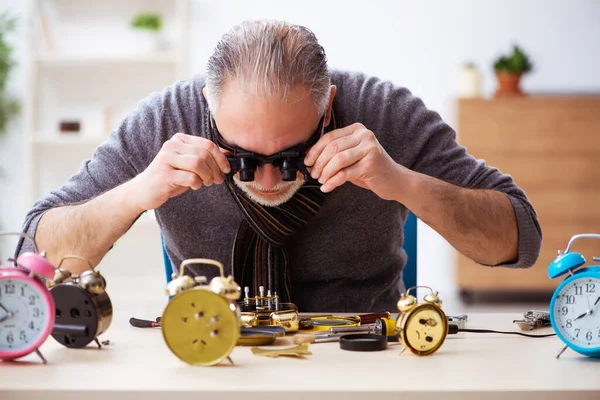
(550, 145)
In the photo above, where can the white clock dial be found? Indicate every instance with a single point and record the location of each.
(576, 312)
(23, 314)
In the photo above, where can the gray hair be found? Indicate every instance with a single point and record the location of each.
(269, 58)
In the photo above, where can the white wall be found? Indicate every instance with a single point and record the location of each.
(12, 146)
(417, 44)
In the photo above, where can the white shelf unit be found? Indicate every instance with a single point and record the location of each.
(70, 60)
(87, 64)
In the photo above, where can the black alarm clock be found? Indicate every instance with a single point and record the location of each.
(83, 308)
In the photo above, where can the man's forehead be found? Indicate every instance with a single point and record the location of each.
(265, 125)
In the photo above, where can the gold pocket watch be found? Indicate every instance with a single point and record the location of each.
(201, 323)
(422, 327)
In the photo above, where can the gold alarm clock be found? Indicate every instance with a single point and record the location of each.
(201, 323)
(422, 327)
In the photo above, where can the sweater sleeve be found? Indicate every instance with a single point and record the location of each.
(419, 139)
(127, 151)
(437, 153)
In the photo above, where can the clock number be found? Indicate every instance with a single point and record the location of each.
(9, 288)
(590, 288)
(569, 325)
(588, 335)
(577, 330)
(10, 338)
(571, 299)
(31, 300)
(578, 290)
(564, 310)
(22, 336)
(36, 312)
(22, 290)
(31, 325)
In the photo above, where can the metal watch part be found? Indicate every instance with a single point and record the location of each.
(267, 310)
(363, 342)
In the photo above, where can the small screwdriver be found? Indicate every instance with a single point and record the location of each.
(144, 323)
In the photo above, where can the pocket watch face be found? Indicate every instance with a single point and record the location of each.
(24, 315)
(576, 312)
(425, 329)
(200, 327)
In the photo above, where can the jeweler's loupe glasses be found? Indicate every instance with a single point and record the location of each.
(289, 161)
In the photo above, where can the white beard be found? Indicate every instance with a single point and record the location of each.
(286, 189)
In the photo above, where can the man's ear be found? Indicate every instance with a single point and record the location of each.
(204, 93)
(332, 91)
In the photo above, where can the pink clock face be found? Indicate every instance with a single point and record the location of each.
(26, 315)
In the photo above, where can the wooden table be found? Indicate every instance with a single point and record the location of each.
(138, 365)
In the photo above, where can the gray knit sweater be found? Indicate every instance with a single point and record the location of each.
(349, 258)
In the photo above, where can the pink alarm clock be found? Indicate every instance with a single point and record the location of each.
(27, 309)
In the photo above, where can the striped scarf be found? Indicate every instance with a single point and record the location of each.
(260, 255)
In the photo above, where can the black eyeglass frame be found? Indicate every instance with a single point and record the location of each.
(289, 160)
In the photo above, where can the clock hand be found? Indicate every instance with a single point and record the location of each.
(4, 308)
(8, 315)
(581, 316)
(597, 300)
(587, 312)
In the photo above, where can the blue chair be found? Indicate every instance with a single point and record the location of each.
(167, 261)
(409, 273)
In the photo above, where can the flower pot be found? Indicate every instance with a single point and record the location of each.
(508, 84)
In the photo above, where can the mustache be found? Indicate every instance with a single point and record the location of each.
(257, 186)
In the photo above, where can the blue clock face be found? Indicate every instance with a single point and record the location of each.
(576, 313)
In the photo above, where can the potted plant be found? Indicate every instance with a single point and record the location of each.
(9, 107)
(150, 25)
(148, 21)
(509, 70)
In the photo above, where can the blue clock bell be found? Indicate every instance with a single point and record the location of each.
(575, 304)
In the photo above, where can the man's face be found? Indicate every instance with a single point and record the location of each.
(267, 126)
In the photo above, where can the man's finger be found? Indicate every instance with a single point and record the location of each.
(195, 142)
(336, 146)
(193, 164)
(185, 179)
(316, 150)
(349, 174)
(340, 161)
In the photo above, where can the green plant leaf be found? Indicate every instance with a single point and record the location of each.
(147, 21)
(516, 62)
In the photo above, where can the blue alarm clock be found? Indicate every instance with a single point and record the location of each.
(575, 304)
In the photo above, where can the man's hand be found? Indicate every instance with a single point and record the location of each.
(183, 162)
(481, 224)
(90, 229)
(353, 154)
